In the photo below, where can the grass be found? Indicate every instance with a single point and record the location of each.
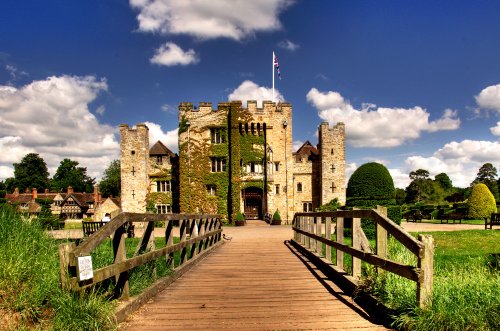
(30, 294)
(434, 221)
(466, 291)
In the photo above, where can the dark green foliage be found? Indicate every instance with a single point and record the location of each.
(45, 218)
(70, 174)
(371, 180)
(30, 173)
(443, 180)
(333, 205)
(239, 217)
(110, 184)
(400, 196)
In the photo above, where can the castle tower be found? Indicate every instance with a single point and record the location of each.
(332, 168)
(134, 162)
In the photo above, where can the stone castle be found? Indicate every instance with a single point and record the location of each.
(232, 159)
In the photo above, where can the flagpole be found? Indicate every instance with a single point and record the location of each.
(273, 77)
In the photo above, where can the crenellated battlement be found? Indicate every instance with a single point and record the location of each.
(206, 107)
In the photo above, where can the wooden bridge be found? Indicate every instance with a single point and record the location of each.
(262, 278)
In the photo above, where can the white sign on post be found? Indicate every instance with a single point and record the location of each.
(84, 268)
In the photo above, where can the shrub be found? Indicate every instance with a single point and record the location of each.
(371, 180)
(276, 216)
(481, 202)
(333, 205)
(239, 216)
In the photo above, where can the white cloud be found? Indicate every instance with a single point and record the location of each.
(101, 110)
(496, 129)
(489, 98)
(288, 45)
(169, 54)
(51, 117)
(248, 90)
(459, 160)
(234, 19)
(296, 145)
(169, 138)
(373, 126)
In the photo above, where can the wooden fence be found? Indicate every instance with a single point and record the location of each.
(199, 234)
(312, 230)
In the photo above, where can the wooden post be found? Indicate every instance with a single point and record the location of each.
(184, 225)
(340, 240)
(307, 229)
(319, 244)
(169, 238)
(120, 252)
(426, 266)
(356, 243)
(64, 250)
(328, 235)
(201, 233)
(193, 233)
(381, 237)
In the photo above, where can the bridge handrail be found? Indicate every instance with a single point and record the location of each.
(308, 234)
(200, 242)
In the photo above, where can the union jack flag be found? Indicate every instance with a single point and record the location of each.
(276, 65)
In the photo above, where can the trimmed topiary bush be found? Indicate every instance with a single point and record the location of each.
(371, 180)
(481, 202)
(276, 218)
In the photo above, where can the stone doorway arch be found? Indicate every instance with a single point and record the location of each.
(252, 203)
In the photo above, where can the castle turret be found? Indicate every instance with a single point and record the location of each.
(332, 168)
(134, 163)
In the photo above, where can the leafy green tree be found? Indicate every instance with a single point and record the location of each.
(443, 180)
(3, 190)
(70, 174)
(420, 184)
(110, 184)
(481, 202)
(400, 196)
(487, 175)
(333, 205)
(371, 180)
(419, 174)
(31, 172)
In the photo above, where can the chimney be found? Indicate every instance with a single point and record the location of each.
(34, 193)
(16, 192)
(97, 197)
(70, 190)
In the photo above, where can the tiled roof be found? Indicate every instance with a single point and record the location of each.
(160, 149)
(308, 150)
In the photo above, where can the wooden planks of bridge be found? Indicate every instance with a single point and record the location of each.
(253, 282)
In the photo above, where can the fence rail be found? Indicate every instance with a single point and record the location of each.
(312, 230)
(204, 231)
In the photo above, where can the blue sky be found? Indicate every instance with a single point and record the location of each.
(417, 83)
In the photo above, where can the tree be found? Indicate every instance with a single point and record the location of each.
(481, 202)
(110, 184)
(443, 180)
(70, 174)
(371, 180)
(487, 175)
(419, 174)
(31, 172)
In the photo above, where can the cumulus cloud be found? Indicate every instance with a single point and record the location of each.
(373, 126)
(296, 144)
(169, 54)
(168, 138)
(496, 129)
(51, 117)
(489, 98)
(288, 45)
(460, 160)
(209, 19)
(248, 90)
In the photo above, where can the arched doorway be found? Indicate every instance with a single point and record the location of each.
(252, 200)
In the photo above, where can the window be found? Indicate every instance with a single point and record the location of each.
(276, 166)
(211, 190)
(159, 159)
(163, 186)
(163, 209)
(218, 164)
(217, 135)
(299, 187)
(253, 168)
(277, 189)
(307, 206)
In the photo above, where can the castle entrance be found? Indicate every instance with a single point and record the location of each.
(252, 199)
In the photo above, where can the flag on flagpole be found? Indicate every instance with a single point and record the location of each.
(276, 65)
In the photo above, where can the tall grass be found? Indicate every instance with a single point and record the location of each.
(29, 282)
(466, 296)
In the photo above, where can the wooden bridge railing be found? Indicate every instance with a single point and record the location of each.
(312, 230)
(204, 231)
